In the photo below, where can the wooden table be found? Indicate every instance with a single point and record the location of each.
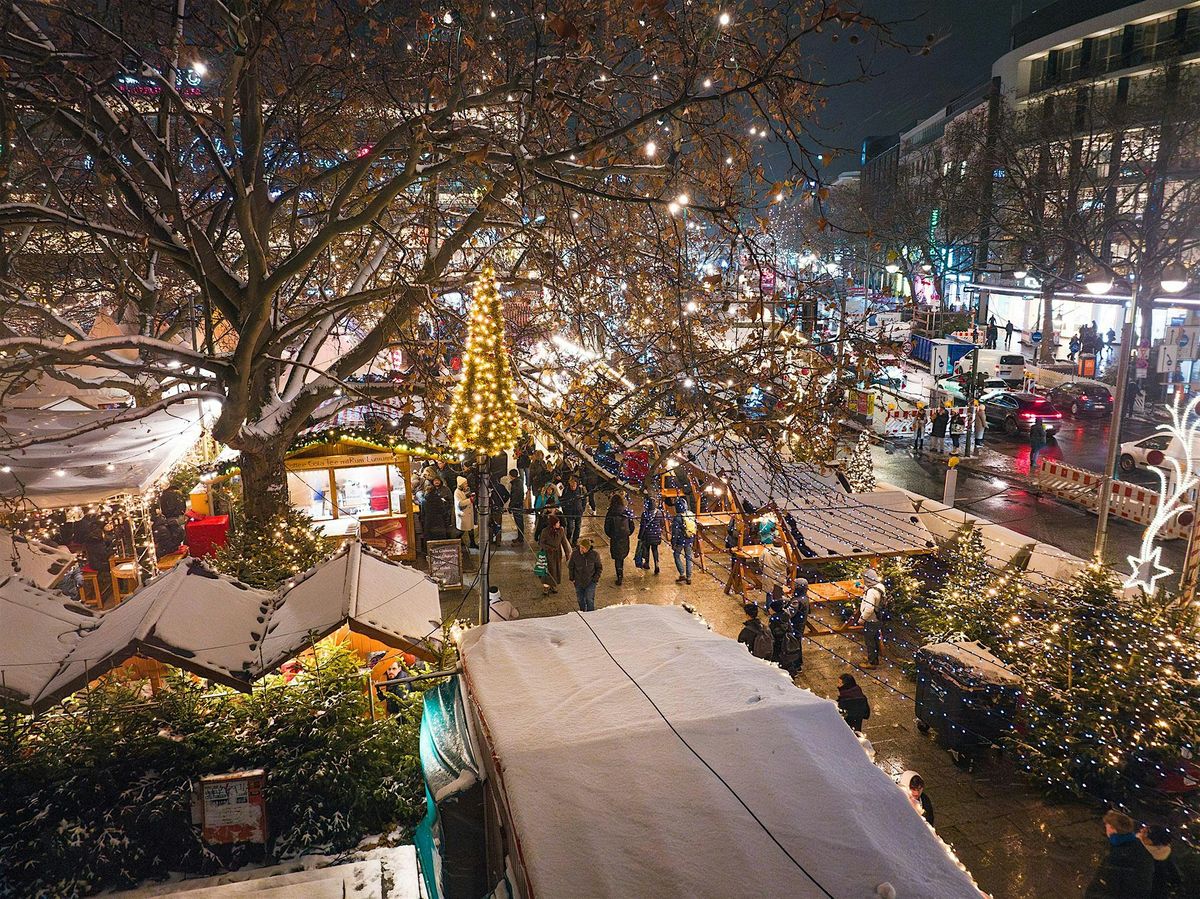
(833, 592)
(743, 560)
(707, 520)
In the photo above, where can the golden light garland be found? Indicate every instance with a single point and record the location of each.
(483, 411)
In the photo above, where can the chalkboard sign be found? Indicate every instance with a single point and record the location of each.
(445, 562)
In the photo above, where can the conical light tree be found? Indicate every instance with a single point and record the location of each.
(483, 410)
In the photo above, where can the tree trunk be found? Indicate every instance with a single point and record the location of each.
(1046, 348)
(264, 486)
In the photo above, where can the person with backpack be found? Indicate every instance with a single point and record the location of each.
(798, 610)
(754, 634)
(869, 612)
(786, 649)
(618, 526)
(683, 532)
(852, 702)
(937, 429)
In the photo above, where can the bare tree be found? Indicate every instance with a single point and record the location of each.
(274, 176)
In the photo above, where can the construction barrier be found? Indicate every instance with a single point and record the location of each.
(899, 422)
(1128, 501)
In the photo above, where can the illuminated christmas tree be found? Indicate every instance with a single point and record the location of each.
(860, 469)
(483, 412)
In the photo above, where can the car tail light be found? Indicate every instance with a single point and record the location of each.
(1028, 416)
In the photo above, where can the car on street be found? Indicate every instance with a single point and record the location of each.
(956, 387)
(1082, 398)
(1152, 452)
(1016, 412)
(890, 376)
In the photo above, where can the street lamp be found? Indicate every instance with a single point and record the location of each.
(1098, 281)
(1174, 277)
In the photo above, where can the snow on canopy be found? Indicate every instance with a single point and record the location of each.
(607, 799)
(39, 629)
(223, 630)
(833, 522)
(38, 563)
(974, 656)
(139, 453)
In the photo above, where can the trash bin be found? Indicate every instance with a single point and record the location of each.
(1086, 366)
(966, 695)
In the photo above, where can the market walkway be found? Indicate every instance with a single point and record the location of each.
(1017, 844)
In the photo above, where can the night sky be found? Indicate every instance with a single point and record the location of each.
(969, 36)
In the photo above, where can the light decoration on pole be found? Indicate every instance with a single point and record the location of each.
(483, 411)
(1176, 478)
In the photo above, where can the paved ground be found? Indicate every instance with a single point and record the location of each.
(1016, 843)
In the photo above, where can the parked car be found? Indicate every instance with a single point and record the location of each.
(1016, 412)
(956, 387)
(1008, 367)
(890, 376)
(1082, 398)
(1152, 451)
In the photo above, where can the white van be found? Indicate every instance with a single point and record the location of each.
(1153, 452)
(1006, 366)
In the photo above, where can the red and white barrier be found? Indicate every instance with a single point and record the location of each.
(900, 422)
(1128, 501)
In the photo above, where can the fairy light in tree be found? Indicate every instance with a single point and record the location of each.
(483, 411)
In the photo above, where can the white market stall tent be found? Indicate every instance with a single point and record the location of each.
(633, 752)
(225, 631)
(38, 629)
(38, 563)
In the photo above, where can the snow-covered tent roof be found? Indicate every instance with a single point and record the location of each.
(974, 656)
(40, 564)
(834, 523)
(39, 629)
(105, 457)
(80, 387)
(222, 630)
(639, 754)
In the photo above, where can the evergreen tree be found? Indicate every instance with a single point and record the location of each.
(860, 469)
(268, 557)
(958, 607)
(1111, 688)
(483, 411)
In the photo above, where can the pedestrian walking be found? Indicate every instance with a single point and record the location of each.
(869, 611)
(618, 525)
(1008, 332)
(683, 531)
(545, 502)
(956, 428)
(464, 512)
(798, 610)
(1037, 443)
(571, 502)
(937, 429)
(584, 570)
(1169, 875)
(786, 649)
(993, 334)
(437, 512)
(1127, 871)
(1073, 348)
(553, 542)
(1112, 340)
(920, 423)
(650, 534)
(754, 634)
(914, 786)
(980, 419)
(516, 502)
(852, 702)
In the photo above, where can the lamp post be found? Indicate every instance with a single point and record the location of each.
(1173, 279)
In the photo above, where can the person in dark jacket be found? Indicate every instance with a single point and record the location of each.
(752, 628)
(914, 783)
(516, 502)
(571, 502)
(1127, 871)
(584, 570)
(168, 534)
(1169, 877)
(1037, 443)
(437, 514)
(650, 534)
(852, 702)
(937, 429)
(780, 624)
(798, 609)
(681, 541)
(618, 525)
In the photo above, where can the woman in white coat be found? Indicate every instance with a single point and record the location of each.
(464, 513)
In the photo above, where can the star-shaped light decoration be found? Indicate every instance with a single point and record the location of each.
(1147, 571)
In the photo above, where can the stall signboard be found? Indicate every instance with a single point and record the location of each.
(388, 535)
(233, 808)
(862, 402)
(445, 562)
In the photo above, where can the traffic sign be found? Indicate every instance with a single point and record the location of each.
(1036, 336)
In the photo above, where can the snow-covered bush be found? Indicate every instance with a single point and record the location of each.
(97, 794)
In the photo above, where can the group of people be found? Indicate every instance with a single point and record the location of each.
(781, 638)
(1142, 863)
(947, 426)
(991, 335)
(1088, 340)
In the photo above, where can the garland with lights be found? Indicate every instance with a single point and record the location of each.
(483, 410)
(860, 468)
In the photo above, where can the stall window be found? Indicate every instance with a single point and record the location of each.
(308, 491)
(362, 490)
